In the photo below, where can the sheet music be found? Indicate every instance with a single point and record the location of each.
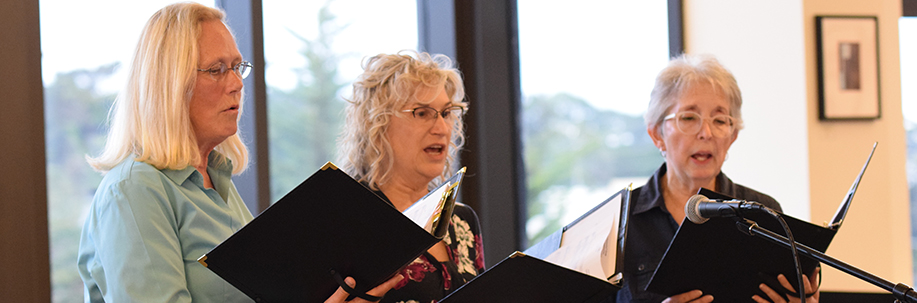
(589, 246)
(429, 207)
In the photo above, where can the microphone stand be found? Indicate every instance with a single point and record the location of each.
(902, 292)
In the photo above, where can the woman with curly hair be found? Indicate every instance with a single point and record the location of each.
(402, 132)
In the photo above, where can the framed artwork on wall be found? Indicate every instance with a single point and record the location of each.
(848, 67)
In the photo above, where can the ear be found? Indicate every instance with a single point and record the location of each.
(654, 133)
(735, 135)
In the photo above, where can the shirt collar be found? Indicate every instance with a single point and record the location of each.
(651, 193)
(724, 185)
(216, 162)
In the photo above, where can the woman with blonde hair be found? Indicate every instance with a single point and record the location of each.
(167, 196)
(402, 133)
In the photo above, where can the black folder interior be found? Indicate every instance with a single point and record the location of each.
(328, 222)
(720, 259)
(526, 277)
(522, 279)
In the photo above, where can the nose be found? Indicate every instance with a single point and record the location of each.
(441, 126)
(706, 131)
(234, 82)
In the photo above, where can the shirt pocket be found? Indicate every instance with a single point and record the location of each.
(643, 272)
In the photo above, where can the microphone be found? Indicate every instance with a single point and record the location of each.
(699, 208)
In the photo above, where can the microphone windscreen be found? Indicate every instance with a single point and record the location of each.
(691, 211)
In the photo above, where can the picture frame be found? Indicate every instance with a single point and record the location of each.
(848, 67)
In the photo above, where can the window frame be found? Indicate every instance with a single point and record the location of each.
(491, 125)
(485, 45)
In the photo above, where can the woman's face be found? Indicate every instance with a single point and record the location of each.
(214, 107)
(695, 159)
(420, 146)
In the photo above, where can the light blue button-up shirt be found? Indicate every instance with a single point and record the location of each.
(146, 229)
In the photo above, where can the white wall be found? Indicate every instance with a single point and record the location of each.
(771, 153)
(876, 236)
(785, 151)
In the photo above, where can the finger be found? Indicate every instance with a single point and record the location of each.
(813, 279)
(785, 283)
(776, 298)
(807, 284)
(759, 299)
(812, 287)
(380, 290)
(684, 297)
(340, 295)
(385, 287)
(704, 299)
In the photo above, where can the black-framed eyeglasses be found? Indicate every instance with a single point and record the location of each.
(218, 70)
(690, 123)
(428, 113)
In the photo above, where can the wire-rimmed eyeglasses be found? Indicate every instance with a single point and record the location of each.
(690, 123)
(428, 113)
(218, 70)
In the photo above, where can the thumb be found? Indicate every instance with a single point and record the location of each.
(340, 294)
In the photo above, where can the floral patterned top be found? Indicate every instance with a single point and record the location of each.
(427, 280)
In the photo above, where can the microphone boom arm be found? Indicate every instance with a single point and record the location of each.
(902, 292)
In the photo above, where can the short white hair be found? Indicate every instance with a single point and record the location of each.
(684, 72)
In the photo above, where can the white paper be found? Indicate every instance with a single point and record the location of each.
(589, 246)
(425, 210)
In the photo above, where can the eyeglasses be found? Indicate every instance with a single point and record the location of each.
(690, 123)
(428, 113)
(219, 70)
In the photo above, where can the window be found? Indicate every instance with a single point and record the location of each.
(314, 51)
(907, 31)
(586, 78)
(85, 49)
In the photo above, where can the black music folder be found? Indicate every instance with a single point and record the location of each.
(723, 260)
(581, 262)
(719, 259)
(329, 227)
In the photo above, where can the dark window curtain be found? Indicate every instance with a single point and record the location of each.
(909, 8)
(244, 17)
(24, 254)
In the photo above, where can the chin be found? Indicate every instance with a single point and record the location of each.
(705, 173)
(433, 173)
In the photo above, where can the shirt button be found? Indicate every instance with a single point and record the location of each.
(641, 267)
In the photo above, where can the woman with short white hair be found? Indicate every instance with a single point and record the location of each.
(694, 116)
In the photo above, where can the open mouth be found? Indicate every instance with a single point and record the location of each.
(701, 156)
(435, 149)
(234, 107)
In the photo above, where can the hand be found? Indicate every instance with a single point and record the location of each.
(340, 295)
(693, 296)
(810, 282)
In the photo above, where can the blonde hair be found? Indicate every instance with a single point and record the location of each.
(150, 118)
(388, 83)
(681, 74)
